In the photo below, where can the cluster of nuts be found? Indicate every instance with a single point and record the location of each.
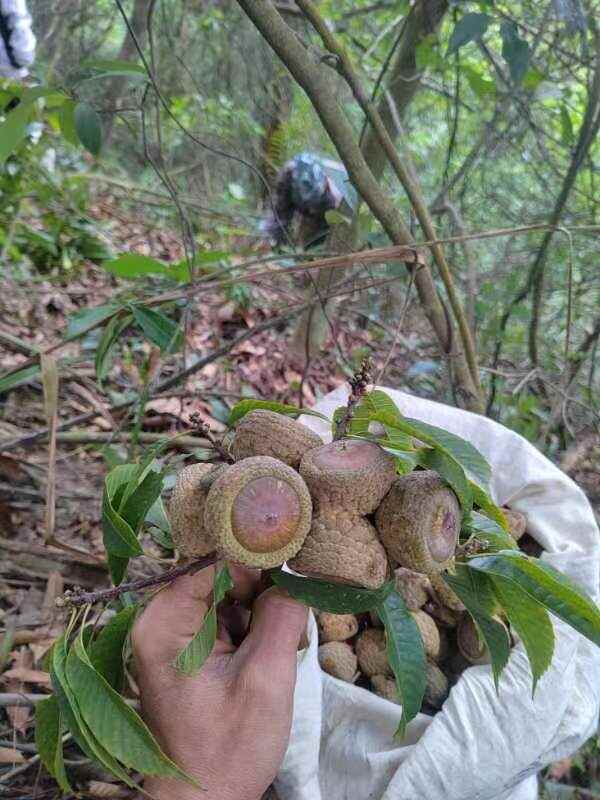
(338, 512)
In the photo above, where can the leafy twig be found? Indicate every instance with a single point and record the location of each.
(216, 443)
(77, 597)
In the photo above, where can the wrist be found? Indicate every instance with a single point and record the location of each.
(163, 789)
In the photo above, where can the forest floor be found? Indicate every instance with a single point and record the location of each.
(34, 315)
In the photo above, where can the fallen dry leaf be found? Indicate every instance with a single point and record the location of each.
(10, 756)
(27, 675)
(104, 789)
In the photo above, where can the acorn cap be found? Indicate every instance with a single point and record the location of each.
(443, 594)
(338, 660)
(517, 523)
(259, 510)
(266, 433)
(429, 634)
(471, 646)
(413, 587)
(371, 653)
(350, 474)
(342, 548)
(186, 509)
(336, 627)
(419, 522)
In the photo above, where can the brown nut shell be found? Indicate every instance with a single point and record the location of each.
(419, 522)
(413, 587)
(471, 646)
(437, 688)
(336, 627)
(349, 474)
(385, 687)
(371, 653)
(444, 594)
(517, 523)
(430, 634)
(186, 509)
(260, 512)
(338, 660)
(266, 433)
(343, 548)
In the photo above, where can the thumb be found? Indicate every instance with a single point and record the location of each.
(277, 627)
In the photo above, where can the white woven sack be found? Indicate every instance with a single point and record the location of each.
(22, 40)
(481, 745)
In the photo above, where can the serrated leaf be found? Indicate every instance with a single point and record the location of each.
(245, 406)
(143, 498)
(480, 601)
(515, 51)
(531, 622)
(469, 27)
(190, 660)
(88, 127)
(106, 345)
(548, 586)
(158, 328)
(406, 655)
(486, 529)
(116, 726)
(106, 650)
(13, 130)
(48, 740)
(451, 472)
(332, 597)
(134, 265)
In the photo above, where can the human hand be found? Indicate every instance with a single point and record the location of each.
(229, 725)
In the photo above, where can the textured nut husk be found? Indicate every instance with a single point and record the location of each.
(429, 634)
(225, 518)
(352, 474)
(385, 687)
(444, 594)
(419, 522)
(186, 509)
(336, 627)
(517, 523)
(437, 686)
(339, 660)
(265, 433)
(413, 587)
(371, 654)
(343, 548)
(470, 646)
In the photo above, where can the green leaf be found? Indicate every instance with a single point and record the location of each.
(117, 567)
(332, 597)
(531, 622)
(19, 378)
(486, 529)
(479, 85)
(116, 726)
(119, 538)
(482, 499)
(106, 650)
(66, 120)
(450, 471)
(106, 345)
(469, 27)
(133, 265)
(372, 403)
(48, 740)
(548, 586)
(86, 319)
(480, 601)
(245, 406)
(515, 51)
(566, 125)
(190, 660)
(158, 328)
(88, 127)
(13, 130)
(143, 498)
(406, 655)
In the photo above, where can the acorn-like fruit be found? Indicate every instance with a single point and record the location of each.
(517, 523)
(349, 474)
(444, 595)
(385, 687)
(371, 653)
(419, 522)
(342, 547)
(259, 511)
(265, 433)
(339, 660)
(336, 627)
(413, 587)
(470, 645)
(186, 509)
(430, 634)
(437, 686)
